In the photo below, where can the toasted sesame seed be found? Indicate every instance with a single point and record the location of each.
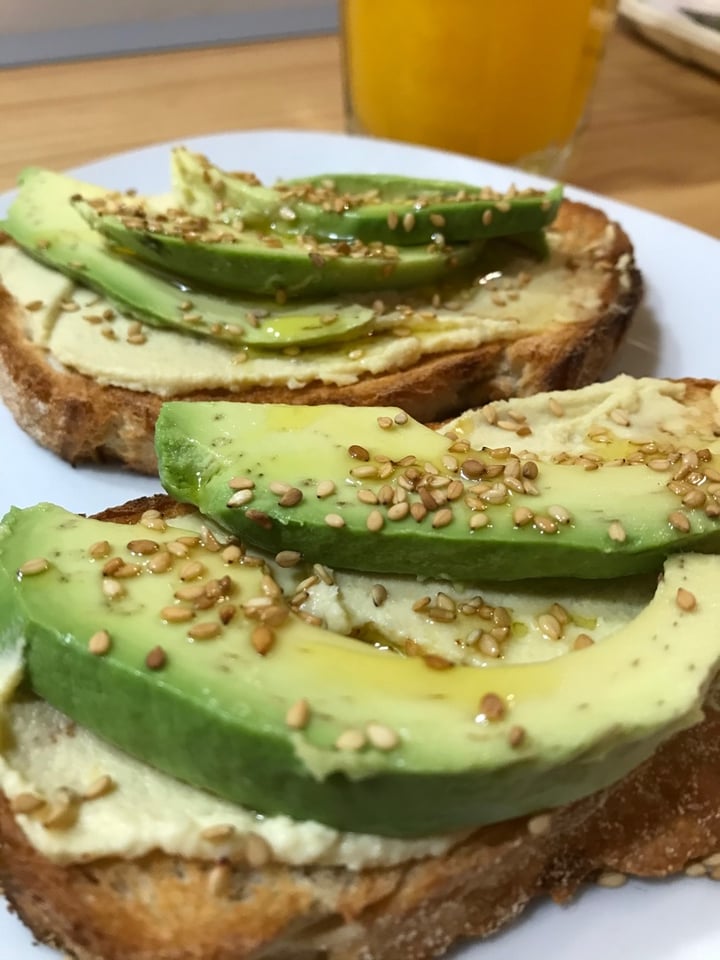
(62, 812)
(418, 511)
(492, 707)
(358, 453)
(99, 643)
(262, 639)
(291, 497)
(257, 851)
(217, 832)
(126, 570)
(99, 550)
(351, 739)
(559, 514)
(695, 870)
(192, 570)
(442, 518)
(160, 562)
(556, 408)
(398, 511)
(616, 532)
(679, 521)
(367, 496)
(288, 558)
(545, 524)
(478, 521)
(539, 825)
(375, 521)
(190, 592)
(177, 549)
(240, 498)
(241, 483)
(26, 802)
(392, 220)
(381, 736)
(686, 600)
(713, 860)
(325, 488)
(156, 659)
(334, 520)
(32, 567)
(522, 516)
(298, 715)
(611, 879)
(100, 787)
(379, 594)
(408, 222)
(218, 880)
(176, 614)
(516, 736)
(550, 626)
(112, 589)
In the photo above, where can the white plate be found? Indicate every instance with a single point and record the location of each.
(674, 335)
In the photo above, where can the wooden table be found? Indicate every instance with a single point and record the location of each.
(653, 136)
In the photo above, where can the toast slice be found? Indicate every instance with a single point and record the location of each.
(660, 818)
(585, 294)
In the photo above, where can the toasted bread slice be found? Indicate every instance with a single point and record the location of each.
(592, 282)
(160, 907)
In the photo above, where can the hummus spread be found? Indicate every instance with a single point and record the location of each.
(83, 332)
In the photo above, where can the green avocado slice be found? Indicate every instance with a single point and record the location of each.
(44, 223)
(213, 711)
(247, 261)
(464, 513)
(378, 207)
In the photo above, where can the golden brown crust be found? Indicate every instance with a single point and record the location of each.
(659, 818)
(80, 420)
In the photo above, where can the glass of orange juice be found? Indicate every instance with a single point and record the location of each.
(506, 80)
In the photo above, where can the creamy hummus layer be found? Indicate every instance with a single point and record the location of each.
(83, 332)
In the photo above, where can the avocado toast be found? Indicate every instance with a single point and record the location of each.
(103, 317)
(643, 656)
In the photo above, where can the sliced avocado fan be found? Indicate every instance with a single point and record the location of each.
(378, 207)
(370, 489)
(44, 221)
(208, 692)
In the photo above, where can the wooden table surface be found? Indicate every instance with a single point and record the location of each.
(652, 139)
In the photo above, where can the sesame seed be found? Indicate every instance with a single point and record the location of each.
(291, 497)
(231, 554)
(99, 643)
(175, 614)
(288, 558)
(191, 592)
(112, 589)
(478, 521)
(375, 521)
(334, 520)
(323, 574)
(442, 518)
(516, 736)
(545, 524)
(240, 498)
(398, 511)
(32, 567)
(679, 521)
(539, 825)
(696, 870)
(156, 659)
(143, 547)
(26, 802)
(616, 532)
(112, 566)
(367, 496)
(392, 220)
(217, 832)
(492, 707)
(550, 626)
(257, 850)
(685, 600)
(556, 408)
(99, 550)
(100, 787)
(241, 483)
(408, 222)
(160, 562)
(358, 453)
(522, 516)
(62, 813)
(487, 217)
(262, 639)
(298, 715)
(381, 736)
(218, 881)
(379, 594)
(325, 488)
(611, 879)
(351, 739)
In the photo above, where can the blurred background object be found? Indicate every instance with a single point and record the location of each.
(688, 29)
(507, 80)
(40, 30)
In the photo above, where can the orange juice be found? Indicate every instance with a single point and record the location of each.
(502, 79)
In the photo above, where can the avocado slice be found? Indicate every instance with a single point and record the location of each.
(44, 223)
(376, 207)
(226, 257)
(609, 522)
(213, 710)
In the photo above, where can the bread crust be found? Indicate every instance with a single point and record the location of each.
(81, 420)
(661, 817)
